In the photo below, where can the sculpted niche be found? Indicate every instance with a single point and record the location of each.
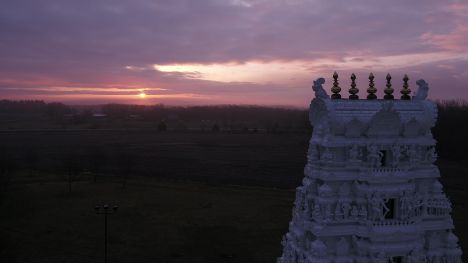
(412, 128)
(354, 128)
(385, 123)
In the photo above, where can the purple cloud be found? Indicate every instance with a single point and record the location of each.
(90, 47)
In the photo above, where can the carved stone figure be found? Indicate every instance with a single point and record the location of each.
(396, 154)
(380, 258)
(434, 240)
(338, 212)
(414, 256)
(374, 156)
(452, 240)
(354, 212)
(342, 247)
(359, 245)
(328, 213)
(344, 190)
(319, 249)
(363, 213)
(354, 153)
(325, 190)
(431, 155)
(345, 207)
(405, 206)
(327, 156)
(316, 213)
(413, 154)
(313, 153)
(423, 90)
(379, 208)
(319, 90)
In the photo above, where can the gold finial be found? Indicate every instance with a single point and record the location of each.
(353, 90)
(405, 91)
(335, 89)
(388, 91)
(371, 90)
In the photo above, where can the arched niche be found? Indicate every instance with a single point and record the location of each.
(385, 123)
(412, 128)
(354, 128)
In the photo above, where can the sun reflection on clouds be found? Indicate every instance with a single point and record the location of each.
(231, 72)
(282, 72)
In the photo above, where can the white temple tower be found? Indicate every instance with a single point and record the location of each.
(371, 191)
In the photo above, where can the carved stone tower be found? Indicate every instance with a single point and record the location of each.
(371, 191)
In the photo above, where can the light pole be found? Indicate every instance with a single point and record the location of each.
(104, 210)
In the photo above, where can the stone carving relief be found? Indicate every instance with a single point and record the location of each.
(438, 206)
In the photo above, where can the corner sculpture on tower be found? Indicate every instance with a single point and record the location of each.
(371, 191)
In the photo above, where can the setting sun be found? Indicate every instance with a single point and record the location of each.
(142, 95)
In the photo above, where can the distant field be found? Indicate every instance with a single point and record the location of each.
(192, 197)
(275, 160)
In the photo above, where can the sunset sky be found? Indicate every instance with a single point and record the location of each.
(194, 52)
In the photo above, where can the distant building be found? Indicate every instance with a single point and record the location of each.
(371, 191)
(99, 115)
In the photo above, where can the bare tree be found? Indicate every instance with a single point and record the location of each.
(7, 166)
(96, 159)
(73, 166)
(162, 126)
(30, 159)
(126, 164)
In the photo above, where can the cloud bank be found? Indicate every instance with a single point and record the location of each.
(215, 52)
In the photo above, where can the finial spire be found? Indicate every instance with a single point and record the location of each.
(371, 90)
(406, 90)
(336, 88)
(388, 91)
(353, 90)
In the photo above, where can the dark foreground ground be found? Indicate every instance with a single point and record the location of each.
(191, 197)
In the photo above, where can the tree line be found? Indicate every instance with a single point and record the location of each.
(450, 129)
(202, 118)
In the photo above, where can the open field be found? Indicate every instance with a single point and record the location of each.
(156, 222)
(246, 158)
(191, 197)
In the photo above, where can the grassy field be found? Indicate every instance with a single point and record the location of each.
(275, 160)
(157, 221)
(192, 197)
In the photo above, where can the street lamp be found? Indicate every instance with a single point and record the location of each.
(104, 210)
